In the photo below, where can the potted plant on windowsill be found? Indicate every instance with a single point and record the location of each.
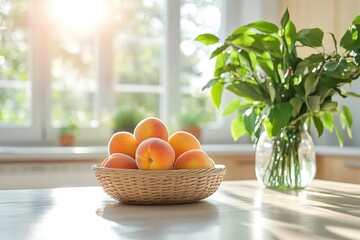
(126, 118)
(67, 134)
(281, 95)
(191, 123)
(195, 114)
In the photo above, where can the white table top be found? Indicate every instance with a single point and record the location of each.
(238, 210)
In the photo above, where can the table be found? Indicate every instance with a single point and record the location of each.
(238, 210)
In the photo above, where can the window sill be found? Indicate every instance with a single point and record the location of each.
(12, 154)
(93, 153)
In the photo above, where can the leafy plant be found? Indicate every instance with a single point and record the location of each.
(195, 112)
(70, 128)
(127, 117)
(276, 88)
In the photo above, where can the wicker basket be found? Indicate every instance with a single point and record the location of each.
(159, 186)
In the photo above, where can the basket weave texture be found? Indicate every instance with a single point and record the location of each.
(159, 186)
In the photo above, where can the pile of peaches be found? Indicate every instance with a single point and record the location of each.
(150, 147)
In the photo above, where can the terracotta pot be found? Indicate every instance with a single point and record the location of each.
(196, 131)
(66, 140)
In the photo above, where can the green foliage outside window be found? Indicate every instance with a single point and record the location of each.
(14, 82)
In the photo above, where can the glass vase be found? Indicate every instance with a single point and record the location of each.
(286, 161)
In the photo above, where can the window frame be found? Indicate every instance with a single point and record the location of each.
(42, 133)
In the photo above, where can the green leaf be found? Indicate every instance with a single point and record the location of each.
(290, 36)
(237, 128)
(309, 64)
(356, 20)
(331, 66)
(285, 18)
(231, 107)
(247, 90)
(325, 91)
(258, 130)
(350, 94)
(249, 119)
(318, 125)
(252, 58)
(216, 93)
(272, 92)
(235, 57)
(339, 137)
(219, 50)
(341, 69)
(310, 84)
(280, 115)
(268, 126)
(313, 103)
(329, 107)
(328, 120)
(265, 62)
(267, 43)
(244, 58)
(210, 83)
(220, 63)
(296, 103)
(311, 37)
(241, 40)
(239, 31)
(256, 42)
(207, 39)
(334, 41)
(244, 107)
(263, 26)
(346, 119)
(351, 38)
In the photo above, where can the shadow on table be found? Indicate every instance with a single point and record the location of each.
(300, 219)
(335, 201)
(158, 221)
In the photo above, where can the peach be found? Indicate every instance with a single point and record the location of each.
(150, 127)
(154, 154)
(119, 160)
(182, 141)
(123, 142)
(195, 158)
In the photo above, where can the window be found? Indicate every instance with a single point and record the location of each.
(15, 85)
(83, 60)
(137, 44)
(197, 17)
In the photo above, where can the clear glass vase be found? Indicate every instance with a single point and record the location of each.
(286, 161)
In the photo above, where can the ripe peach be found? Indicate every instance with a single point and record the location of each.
(123, 142)
(195, 158)
(182, 141)
(150, 127)
(155, 153)
(119, 160)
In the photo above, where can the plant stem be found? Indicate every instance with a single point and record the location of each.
(283, 171)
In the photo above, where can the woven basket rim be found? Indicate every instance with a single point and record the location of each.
(98, 168)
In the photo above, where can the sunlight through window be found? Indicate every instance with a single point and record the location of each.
(79, 15)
